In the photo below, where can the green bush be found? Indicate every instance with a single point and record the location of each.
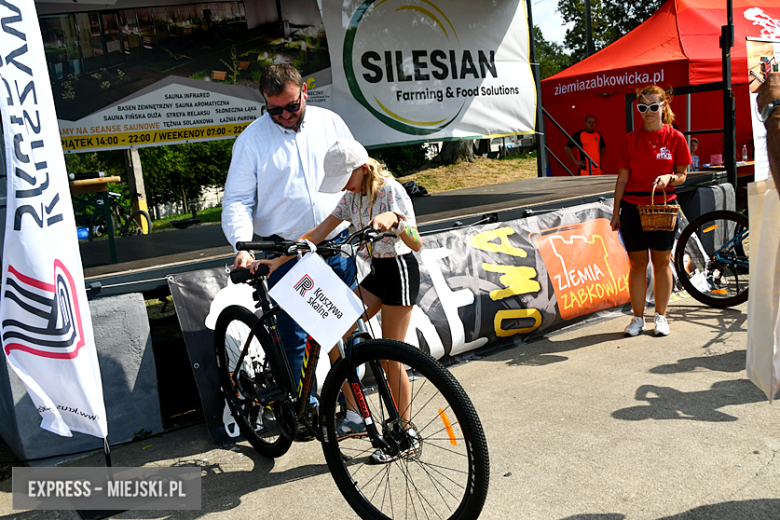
(401, 160)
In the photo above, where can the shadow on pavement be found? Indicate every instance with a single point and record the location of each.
(760, 509)
(607, 516)
(667, 403)
(544, 351)
(732, 362)
(722, 323)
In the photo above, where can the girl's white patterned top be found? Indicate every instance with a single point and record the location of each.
(391, 197)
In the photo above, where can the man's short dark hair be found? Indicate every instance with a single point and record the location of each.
(589, 116)
(276, 78)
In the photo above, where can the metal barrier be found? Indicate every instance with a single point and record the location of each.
(590, 161)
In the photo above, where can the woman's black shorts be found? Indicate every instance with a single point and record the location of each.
(395, 281)
(635, 238)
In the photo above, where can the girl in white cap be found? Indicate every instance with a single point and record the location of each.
(373, 197)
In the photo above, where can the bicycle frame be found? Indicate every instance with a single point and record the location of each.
(734, 241)
(717, 254)
(308, 370)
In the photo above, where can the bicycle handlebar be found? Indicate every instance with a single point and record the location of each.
(243, 274)
(292, 248)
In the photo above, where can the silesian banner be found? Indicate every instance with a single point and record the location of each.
(46, 324)
(408, 70)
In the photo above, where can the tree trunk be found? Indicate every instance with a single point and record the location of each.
(453, 152)
(483, 147)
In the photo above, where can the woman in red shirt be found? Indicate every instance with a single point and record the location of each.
(656, 154)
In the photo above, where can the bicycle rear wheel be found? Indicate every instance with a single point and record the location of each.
(712, 258)
(441, 472)
(267, 428)
(100, 228)
(134, 223)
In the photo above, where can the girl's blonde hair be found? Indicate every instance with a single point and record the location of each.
(667, 116)
(374, 180)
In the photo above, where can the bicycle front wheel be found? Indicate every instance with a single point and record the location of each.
(267, 428)
(712, 258)
(134, 223)
(439, 471)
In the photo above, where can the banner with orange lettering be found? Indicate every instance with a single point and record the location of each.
(499, 283)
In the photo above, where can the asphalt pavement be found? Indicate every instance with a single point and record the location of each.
(584, 424)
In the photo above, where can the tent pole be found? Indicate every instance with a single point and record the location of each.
(588, 30)
(729, 128)
(688, 118)
(541, 135)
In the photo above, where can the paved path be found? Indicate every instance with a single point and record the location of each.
(585, 425)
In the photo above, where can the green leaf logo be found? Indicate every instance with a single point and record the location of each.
(428, 18)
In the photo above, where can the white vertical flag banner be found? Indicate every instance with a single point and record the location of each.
(414, 70)
(46, 324)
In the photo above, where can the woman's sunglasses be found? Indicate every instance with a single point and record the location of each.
(291, 108)
(655, 107)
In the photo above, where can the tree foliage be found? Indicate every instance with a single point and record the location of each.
(610, 20)
(552, 57)
(180, 173)
(112, 162)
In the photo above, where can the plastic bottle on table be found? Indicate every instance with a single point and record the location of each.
(744, 152)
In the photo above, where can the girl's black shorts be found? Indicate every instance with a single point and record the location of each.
(395, 281)
(637, 239)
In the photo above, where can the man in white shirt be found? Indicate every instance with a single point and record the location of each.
(272, 188)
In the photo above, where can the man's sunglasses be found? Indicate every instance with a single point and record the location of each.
(291, 108)
(655, 107)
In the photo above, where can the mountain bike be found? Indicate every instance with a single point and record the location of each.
(712, 258)
(124, 221)
(439, 465)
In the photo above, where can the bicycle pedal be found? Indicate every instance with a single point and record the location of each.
(270, 394)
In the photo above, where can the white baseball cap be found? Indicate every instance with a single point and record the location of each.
(344, 157)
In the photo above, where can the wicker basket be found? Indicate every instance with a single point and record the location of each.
(658, 217)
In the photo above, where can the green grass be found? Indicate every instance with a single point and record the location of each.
(205, 216)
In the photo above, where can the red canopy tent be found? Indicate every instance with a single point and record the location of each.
(677, 46)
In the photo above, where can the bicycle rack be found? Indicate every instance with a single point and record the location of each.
(96, 196)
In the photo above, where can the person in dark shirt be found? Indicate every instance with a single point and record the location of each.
(593, 144)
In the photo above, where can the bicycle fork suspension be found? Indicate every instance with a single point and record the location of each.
(310, 358)
(357, 389)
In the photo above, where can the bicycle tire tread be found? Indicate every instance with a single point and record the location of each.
(229, 314)
(679, 262)
(443, 381)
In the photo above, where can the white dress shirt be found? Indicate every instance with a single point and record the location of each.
(274, 178)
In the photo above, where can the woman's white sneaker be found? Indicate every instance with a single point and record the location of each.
(661, 325)
(636, 326)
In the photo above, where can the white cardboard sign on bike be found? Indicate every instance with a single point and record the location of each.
(318, 300)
